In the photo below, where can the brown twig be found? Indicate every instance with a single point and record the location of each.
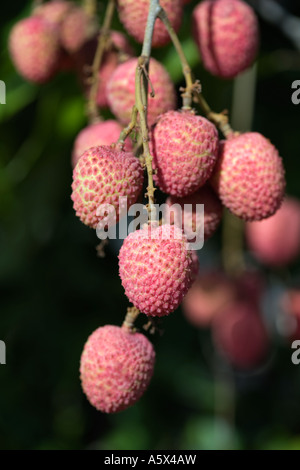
(131, 316)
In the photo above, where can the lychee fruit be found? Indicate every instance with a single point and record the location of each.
(116, 367)
(184, 213)
(35, 49)
(121, 91)
(77, 28)
(101, 176)
(100, 133)
(240, 334)
(54, 12)
(209, 294)
(291, 302)
(276, 240)
(185, 149)
(156, 269)
(134, 15)
(249, 176)
(227, 35)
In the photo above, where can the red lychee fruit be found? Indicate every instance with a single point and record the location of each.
(185, 149)
(249, 176)
(109, 65)
(156, 269)
(116, 368)
(121, 91)
(227, 35)
(77, 28)
(239, 332)
(54, 12)
(35, 49)
(291, 302)
(209, 294)
(100, 133)
(134, 15)
(101, 176)
(276, 240)
(189, 219)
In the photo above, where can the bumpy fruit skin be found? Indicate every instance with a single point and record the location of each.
(156, 269)
(101, 133)
(239, 332)
(35, 49)
(189, 219)
(134, 14)
(276, 240)
(185, 149)
(101, 175)
(227, 34)
(76, 29)
(209, 294)
(121, 91)
(249, 176)
(116, 368)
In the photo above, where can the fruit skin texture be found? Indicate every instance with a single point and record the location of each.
(239, 332)
(209, 294)
(249, 176)
(101, 133)
(185, 149)
(156, 269)
(101, 175)
(276, 240)
(134, 14)
(227, 35)
(35, 49)
(76, 29)
(189, 221)
(116, 368)
(121, 91)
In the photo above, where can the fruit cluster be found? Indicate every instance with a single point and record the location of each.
(191, 165)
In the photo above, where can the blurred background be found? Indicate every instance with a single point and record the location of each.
(54, 290)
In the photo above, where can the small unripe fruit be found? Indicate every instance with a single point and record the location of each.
(121, 91)
(276, 240)
(249, 176)
(116, 368)
(35, 49)
(101, 176)
(101, 133)
(227, 34)
(134, 15)
(156, 269)
(76, 29)
(189, 219)
(185, 149)
(239, 332)
(209, 294)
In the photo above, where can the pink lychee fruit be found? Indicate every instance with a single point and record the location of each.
(209, 294)
(156, 269)
(184, 213)
(227, 35)
(185, 149)
(121, 91)
(240, 334)
(102, 175)
(77, 28)
(100, 133)
(35, 49)
(116, 368)
(276, 240)
(54, 12)
(249, 176)
(291, 302)
(134, 15)
(109, 65)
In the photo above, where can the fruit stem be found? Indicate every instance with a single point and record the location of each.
(187, 95)
(90, 7)
(92, 108)
(128, 129)
(232, 252)
(131, 316)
